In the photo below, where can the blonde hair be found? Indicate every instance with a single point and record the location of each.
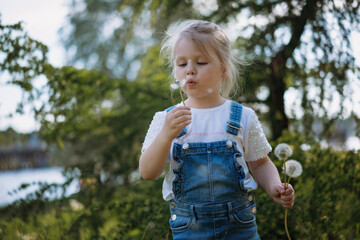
(217, 43)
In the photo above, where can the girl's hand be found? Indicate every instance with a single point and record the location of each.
(175, 121)
(282, 196)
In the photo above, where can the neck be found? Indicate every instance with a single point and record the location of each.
(205, 103)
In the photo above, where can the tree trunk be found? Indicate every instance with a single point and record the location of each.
(279, 120)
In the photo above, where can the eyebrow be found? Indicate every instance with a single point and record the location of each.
(196, 57)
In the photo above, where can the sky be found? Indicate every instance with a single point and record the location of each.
(42, 20)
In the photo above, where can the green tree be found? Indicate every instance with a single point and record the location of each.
(10, 137)
(94, 125)
(99, 122)
(22, 58)
(91, 122)
(113, 36)
(301, 45)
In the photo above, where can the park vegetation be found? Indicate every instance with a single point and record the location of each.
(97, 110)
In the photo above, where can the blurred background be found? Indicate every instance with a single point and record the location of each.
(81, 80)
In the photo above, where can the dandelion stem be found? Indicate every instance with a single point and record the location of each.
(288, 182)
(285, 185)
(181, 95)
(286, 227)
(145, 231)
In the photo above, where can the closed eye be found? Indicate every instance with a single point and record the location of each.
(199, 63)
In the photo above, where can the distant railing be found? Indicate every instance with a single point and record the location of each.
(22, 157)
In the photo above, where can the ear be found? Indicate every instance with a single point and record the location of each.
(224, 74)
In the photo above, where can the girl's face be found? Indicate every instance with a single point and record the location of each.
(203, 75)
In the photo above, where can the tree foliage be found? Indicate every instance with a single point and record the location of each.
(112, 36)
(99, 122)
(22, 58)
(92, 122)
(301, 45)
(10, 137)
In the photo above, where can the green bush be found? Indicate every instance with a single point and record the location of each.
(327, 206)
(135, 212)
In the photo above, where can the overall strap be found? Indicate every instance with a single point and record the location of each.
(233, 125)
(183, 131)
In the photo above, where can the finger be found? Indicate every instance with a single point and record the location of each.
(179, 109)
(287, 198)
(287, 205)
(278, 188)
(179, 116)
(182, 119)
(276, 192)
(184, 124)
(287, 188)
(181, 113)
(287, 192)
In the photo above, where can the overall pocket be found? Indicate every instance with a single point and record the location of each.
(180, 223)
(246, 215)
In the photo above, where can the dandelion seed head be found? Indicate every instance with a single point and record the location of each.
(283, 151)
(293, 168)
(183, 82)
(76, 205)
(177, 84)
(174, 86)
(305, 147)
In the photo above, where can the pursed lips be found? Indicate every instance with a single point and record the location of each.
(191, 81)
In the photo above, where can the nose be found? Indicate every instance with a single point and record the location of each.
(190, 69)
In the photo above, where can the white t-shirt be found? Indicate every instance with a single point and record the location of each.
(209, 125)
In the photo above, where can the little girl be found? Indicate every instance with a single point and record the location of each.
(208, 142)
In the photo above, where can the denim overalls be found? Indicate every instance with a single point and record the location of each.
(211, 201)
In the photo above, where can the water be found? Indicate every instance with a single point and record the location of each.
(10, 180)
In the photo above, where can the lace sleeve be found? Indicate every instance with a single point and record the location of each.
(154, 129)
(256, 144)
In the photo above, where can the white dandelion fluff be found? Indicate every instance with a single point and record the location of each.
(305, 147)
(183, 82)
(76, 205)
(293, 168)
(177, 84)
(283, 151)
(174, 86)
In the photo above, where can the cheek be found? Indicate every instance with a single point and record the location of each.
(178, 73)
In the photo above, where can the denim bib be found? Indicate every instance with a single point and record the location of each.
(209, 189)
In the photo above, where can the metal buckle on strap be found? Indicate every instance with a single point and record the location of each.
(233, 124)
